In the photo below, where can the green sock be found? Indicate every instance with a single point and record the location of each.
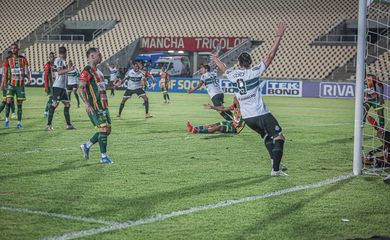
(20, 112)
(95, 138)
(12, 107)
(121, 108)
(103, 142)
(146, 107)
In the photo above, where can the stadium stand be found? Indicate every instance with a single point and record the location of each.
(296, 59)
(16, 26)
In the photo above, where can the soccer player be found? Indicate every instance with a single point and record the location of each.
(15, 70)
(234, 126)
(93, 93)
(164, 84)
(4, 101)
(73, 82)
(213, 89)
(48, 77)
(254, 111)
(113, 77)
(147, 74)
(59, 89)
(379, 156)
(373, 97)
(135, 79)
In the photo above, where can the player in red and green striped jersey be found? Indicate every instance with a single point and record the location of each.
(15, 70)
(48, 77)
(93, 93)
(4, 100)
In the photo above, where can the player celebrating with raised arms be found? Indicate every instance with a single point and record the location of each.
(93, 93)
(254, 111)
(135, 80)
(213, 89)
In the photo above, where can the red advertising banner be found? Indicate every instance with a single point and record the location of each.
(192, 44)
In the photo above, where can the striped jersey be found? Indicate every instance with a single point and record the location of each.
(371, 87)
(164, 79)
(60, 79)
(73, 76)
(212, 83)
(95, 88)
(16, 70)
(134, 79)
(48, 75)
(249, 95)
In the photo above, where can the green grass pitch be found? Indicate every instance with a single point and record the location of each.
(159, 168)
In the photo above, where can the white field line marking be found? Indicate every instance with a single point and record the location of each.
(58, 215)
(161, 217)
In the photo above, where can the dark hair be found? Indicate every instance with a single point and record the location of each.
(9, 53)
(62, 49)
(51, 53)
(92, 50)
(207, 67)
(245, 59)
(15, 44)
(134, 62)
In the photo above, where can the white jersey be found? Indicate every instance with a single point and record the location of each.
(134, 79)
(249, 92)
(212, 83)
(113, 74)
(60, 79)
(73, 77)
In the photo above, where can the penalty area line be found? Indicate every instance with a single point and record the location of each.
(162, 217)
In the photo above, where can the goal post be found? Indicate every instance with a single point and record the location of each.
(360, 78)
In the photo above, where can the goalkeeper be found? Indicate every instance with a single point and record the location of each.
(234, 126)
(379, 157)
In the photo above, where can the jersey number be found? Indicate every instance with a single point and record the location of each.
(241, 86)
(215, 82)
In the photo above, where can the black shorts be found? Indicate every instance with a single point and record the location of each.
(265, 125)
(59, 94)
(139, 91)
(70, 87)
(218, 100)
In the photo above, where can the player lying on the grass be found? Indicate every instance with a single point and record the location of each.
(379, 157)
(234, 126)
(254, 111)
(93, 93)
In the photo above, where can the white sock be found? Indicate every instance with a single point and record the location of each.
(19, 122)
(104, 155)
(6, 119)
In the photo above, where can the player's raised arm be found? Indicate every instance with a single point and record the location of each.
(200, 84)
(274, 48)
(219, 63)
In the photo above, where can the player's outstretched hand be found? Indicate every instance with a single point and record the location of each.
(280, 28)
(207, 106)
(213, 58)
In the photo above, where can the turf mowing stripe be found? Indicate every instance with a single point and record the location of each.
(161, 217)
(57, 215)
